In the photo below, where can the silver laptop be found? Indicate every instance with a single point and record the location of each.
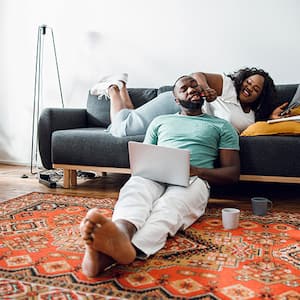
(163, 164)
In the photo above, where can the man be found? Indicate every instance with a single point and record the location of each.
(148, 211)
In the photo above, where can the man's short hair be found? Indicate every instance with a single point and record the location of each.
(188, 76)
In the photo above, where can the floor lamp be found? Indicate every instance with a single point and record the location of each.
(38, 85)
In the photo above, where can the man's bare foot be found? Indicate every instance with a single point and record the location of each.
(95, 262)
(107, 237)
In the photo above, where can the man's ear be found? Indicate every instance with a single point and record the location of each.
(175, 99)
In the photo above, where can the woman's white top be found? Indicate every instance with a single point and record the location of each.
(228, 107)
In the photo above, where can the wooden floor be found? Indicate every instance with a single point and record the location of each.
(284, 196)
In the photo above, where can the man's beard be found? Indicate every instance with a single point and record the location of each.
(190, 105)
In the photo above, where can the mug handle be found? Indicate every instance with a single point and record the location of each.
(270, 204)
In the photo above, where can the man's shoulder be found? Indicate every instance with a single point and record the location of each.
(215, 119)
(222, 124)
(166, 116)
(157, 121)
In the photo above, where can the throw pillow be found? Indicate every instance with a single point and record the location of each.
(280, 128)
(295, 111)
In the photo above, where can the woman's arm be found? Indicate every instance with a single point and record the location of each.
(276, 113)
(212, 84)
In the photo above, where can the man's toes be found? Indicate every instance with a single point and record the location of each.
(86, 226)
(87, 236)
(94, 216)
(89, 226)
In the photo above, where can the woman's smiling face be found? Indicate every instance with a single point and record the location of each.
(251, 88)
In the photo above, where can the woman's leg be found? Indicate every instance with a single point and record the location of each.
(119, 99)
(114, 87)
(116, 102)
(125, 97)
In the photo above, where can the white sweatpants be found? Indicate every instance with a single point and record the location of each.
(158, 210)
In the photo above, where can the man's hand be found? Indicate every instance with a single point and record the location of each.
(276, 113)
(194, 171)
(228, 172)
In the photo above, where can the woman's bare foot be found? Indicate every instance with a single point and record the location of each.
(107, 237)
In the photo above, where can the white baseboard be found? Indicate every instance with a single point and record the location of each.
(14, 163)
(19, 163)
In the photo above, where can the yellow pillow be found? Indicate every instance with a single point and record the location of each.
(280, 128)
(295, 111)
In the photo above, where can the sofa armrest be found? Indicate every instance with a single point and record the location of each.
(52, 119)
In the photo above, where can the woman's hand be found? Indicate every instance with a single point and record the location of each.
(210, 94)
(276, 113)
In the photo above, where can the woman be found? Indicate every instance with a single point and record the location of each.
(240, 98)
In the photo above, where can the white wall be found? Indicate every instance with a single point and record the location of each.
(154, 41)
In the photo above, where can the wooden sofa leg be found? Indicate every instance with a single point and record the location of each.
(67, 178)
(73, 177)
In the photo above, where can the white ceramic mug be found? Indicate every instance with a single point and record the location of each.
(230, 218)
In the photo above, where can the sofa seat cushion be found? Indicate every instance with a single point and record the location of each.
(270, 155)
(91, 147)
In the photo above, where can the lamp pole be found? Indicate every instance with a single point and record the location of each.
(38, 85)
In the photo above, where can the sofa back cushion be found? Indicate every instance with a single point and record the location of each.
(98, 109)
(285, 93)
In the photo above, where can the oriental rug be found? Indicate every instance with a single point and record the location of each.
(41, 253)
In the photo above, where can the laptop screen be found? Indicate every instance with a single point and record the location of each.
(163, 164)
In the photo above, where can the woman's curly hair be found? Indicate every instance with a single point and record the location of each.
(262, 105)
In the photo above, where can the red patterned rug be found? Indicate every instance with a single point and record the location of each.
(41, 254)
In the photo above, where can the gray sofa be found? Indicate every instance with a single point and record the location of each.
(76, 139)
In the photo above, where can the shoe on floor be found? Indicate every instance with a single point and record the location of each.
(101, 87)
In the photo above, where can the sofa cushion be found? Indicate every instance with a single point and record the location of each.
(98, 109)
(90, 147)
(285, 93)
(164, 89)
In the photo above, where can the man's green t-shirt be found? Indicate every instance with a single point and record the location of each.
(202, 135)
